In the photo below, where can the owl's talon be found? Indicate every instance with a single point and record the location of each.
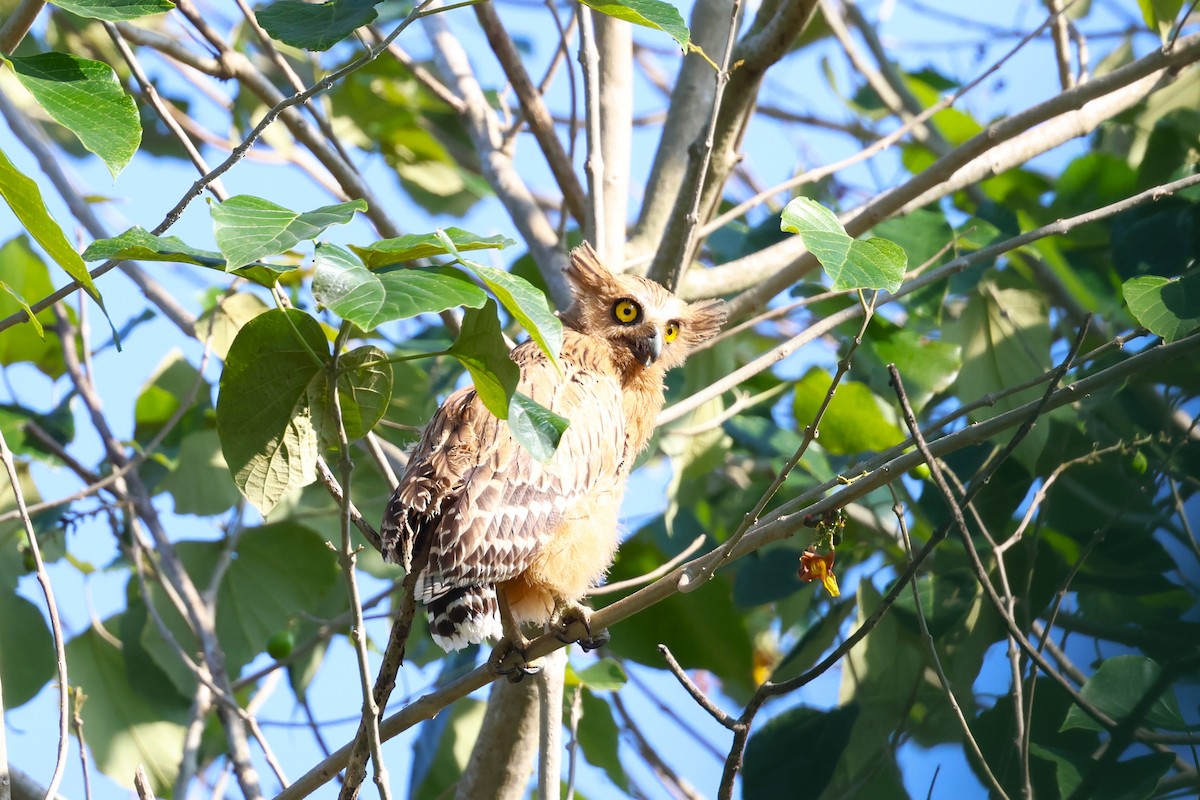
(509, 660)
(573, 624)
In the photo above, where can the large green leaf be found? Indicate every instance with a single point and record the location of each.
(124, 727)
(794, 754)
(368, 299)
(115, 10)
(267, 430)
(219, 325)
(442, 749)
(856, 421)
(315, 26)
(25, 199)
(84, 97)
(647, 13)
(480, 348)
(1168, 307)
(26, 650)
(423, 245)
(27, 277)
(1117, 686)
(201, 483)
(851, 264)
(280, 572)
(537, 428)
(250, 228)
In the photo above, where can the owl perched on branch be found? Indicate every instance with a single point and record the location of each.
(514, 541)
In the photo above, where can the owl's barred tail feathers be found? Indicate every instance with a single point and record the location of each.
(464, 615)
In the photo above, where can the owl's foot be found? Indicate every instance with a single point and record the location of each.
(573, 623)
(508, 659)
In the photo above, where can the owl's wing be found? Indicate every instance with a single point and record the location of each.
(487, 503)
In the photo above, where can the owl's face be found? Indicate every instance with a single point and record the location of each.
(649, 327)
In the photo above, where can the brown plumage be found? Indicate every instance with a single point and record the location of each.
(543, 534)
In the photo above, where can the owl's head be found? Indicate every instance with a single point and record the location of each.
(640, 318)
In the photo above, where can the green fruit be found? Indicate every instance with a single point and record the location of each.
(27, 560)
(281, 644)
(1138, 463)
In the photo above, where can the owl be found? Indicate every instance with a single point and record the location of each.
(514, 541)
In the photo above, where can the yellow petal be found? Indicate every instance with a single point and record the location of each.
(831, 584)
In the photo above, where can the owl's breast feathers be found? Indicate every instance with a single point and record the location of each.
(496, 515)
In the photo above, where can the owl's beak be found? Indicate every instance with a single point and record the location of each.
(648, 349)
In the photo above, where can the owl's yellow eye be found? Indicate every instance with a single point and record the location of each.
(671, 331)
(626, 312)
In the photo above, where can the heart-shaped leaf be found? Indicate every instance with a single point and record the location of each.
(1168, 307)
(250, 228)
(536, 428)
(850, 263)
(315, 26)
(647, 13)
(480, 348)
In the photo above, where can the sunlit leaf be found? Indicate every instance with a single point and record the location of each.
(1168, 307)
(606, 675)
(851, 263)
(84, 97)
(25, 199)
(370, 298)
(647, 13)
(424, 245)
(856, 421)
(794, 754)
(250, 228)
(115, 10)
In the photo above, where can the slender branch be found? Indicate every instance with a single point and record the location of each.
(774, 356)
(652, 575)
(18, 24)
(1062, 43)
(910, 419)
(549, 684)
(595, 225)
(537, 116)
(60, 651)
(701, 699)
(614, 45)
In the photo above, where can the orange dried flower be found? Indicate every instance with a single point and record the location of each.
(815, 567)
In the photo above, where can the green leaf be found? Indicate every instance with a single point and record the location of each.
(26, 650)
(315, 26)
(599, 738)
(266, 427)
(1004, 336)
(280, 571)
(364, 389)
(33, 320)
(24, 275)
(521, 298)
(647, 13)
(85, 98)
(1168, 307)
(536, 428)
(220, 324)
(606, 675)
(856, 421)
(137, 244)
(250, 228)
(443, 748)
(201, 483)
(369, 299)
(946, 597)
(124, 727)
(480, 348)
(413, 246)
(851, 264)
(25, 199)
(1133, 779)
(794, 754)
(927, 366)
(115, 10)
(1160, 15)
(1117, 686)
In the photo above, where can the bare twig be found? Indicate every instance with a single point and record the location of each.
(60, 651)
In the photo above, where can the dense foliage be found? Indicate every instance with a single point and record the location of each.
(929, 502)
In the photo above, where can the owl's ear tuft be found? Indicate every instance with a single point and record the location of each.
(585, 272)
(703, 321)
